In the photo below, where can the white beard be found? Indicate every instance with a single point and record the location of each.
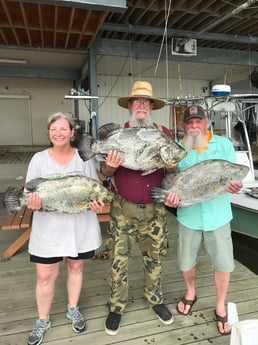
(146, 122)
(190, 140)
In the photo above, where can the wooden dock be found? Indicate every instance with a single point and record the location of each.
(139, 325)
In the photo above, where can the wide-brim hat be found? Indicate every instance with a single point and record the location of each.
(141, 89)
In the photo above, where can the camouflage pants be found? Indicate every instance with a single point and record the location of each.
(146, 225)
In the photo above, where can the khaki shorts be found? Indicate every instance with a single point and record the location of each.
(217, 243)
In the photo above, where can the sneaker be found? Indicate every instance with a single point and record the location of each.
(163, 313)
(77, 319)
(112, 323)
(36, 336)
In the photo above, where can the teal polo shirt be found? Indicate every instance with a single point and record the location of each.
(211, 214)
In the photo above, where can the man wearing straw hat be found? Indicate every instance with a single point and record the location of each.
(135, 218)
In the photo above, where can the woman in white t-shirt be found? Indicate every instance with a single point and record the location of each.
(56, 236)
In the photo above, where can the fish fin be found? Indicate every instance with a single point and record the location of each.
(169, 177)
(84, 146)
(101, 157)
(11, 199)
(106, 130)
(158, 194)
(32, 184)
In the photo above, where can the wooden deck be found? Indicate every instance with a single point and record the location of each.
(15, 157)
(139, 325)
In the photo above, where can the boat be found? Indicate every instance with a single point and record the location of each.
(233, 116)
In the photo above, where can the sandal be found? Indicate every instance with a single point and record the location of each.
(186, 302)
(223, 320)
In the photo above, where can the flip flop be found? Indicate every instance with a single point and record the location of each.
(186, 302)
(223, 320)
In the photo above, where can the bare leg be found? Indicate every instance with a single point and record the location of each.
(221, 280)
(74, 280)
(189, 278)
(45, 287)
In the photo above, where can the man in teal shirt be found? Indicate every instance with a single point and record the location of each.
(207, 222)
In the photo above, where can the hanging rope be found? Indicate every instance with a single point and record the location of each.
(116, 80)
(180, 82)
(164, 35)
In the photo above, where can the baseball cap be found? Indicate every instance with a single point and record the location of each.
(194, 111)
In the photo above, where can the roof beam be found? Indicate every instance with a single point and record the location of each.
(137, 49)
(149, 30)
(140, 50)
(151, 51)
(237, 10)
(98, 5)
(39, 73)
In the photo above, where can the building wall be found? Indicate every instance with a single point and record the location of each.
(47, 96)
(110, 88)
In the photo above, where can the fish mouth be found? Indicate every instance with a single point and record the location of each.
(172, 155)
(177, 158)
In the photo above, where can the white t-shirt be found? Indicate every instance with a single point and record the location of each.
(60, 234)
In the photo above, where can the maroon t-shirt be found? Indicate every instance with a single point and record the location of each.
(134, 187)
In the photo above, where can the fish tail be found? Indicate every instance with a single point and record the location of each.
(84, 146)
(158, 194)
(11, 200)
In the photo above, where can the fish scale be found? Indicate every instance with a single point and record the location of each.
(69, 194)
(202, 181)
(143, 149)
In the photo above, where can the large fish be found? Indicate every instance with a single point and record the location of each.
(203, 181)
(145, 149)
(69, 194)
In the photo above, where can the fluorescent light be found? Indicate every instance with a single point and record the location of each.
(14, 96)
(14, 61)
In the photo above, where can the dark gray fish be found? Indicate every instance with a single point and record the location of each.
(203, 181)
(144, 149)
(69, 194)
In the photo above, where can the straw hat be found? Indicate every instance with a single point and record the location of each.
(141, 89)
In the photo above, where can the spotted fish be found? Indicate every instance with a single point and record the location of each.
(203, 181)
(144, 149)
(69, 194)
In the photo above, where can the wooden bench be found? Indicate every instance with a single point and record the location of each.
(22, 219)
(104, 216)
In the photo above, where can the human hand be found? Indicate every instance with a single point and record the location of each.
(97, 206)
(234, 187)
(172, 200)
(114, 159)
(34, 202)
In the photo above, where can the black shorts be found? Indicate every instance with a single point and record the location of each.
(81, 256)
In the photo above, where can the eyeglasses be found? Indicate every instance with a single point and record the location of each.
(147, 102)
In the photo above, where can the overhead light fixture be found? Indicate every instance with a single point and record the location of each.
(13, 61)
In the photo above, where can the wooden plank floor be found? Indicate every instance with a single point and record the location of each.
(15, 157)
(139, 325)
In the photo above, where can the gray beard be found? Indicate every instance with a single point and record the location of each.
(146, 122)
(189, 140)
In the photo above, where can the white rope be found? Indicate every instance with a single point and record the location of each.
(164, 35)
